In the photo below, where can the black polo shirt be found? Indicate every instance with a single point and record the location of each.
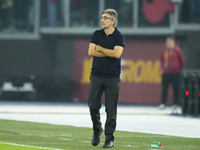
(107, 67)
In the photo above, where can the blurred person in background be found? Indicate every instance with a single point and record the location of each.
(6, 16)
(16, 16)
(190, 11)
(106, 47)
(52, 11)
(23, 15)
(172, 62)
(127, 13)
(83, 13)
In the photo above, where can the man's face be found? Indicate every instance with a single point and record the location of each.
(106, 21)
(170, 43)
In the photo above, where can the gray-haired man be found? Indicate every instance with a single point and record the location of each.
(106, 47)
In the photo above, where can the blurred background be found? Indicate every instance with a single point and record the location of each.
(44, 44)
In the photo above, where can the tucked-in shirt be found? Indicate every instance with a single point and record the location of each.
(107, 67)
(173, 63)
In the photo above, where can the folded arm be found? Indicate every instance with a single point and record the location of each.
(114, 53)
(92, 52)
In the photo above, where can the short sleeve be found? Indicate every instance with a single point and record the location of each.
(94, 38)
(121, 40)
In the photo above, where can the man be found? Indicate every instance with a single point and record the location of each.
(172, 61)
(106, 47)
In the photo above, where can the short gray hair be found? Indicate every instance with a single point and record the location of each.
(113, 15)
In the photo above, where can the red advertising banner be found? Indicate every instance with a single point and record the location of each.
(140, 77)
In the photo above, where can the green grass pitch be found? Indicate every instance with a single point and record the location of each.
(19, 135)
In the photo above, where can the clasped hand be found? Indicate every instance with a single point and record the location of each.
(98, 48)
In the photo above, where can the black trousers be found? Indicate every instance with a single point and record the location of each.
(168, 79)
(111, 88)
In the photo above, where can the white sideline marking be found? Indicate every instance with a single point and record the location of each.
(64, 139)
(128, 146)
(85, 141)
(28, 146)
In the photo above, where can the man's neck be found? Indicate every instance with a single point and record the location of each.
(170, 49)
(109, 30)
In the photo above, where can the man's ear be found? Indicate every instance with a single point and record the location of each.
(113, 22)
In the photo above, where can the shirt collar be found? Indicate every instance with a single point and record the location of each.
(110, 34)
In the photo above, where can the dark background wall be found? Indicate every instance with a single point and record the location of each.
(47, 63)
(191, 47)
(45, 57)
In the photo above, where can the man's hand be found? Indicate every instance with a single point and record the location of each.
(98, 48)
